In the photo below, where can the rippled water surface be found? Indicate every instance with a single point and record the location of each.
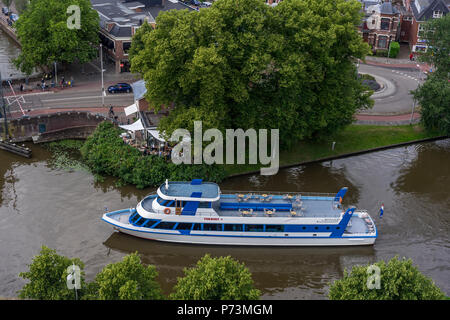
(61, 209)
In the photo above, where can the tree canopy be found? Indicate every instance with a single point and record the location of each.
(47, 277)
(126, 280)
(220, 278)
(399, 280)
(244, 64)
(434, 95)
(45, 37)
(437, 34)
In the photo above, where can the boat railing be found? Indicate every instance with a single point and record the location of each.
(280, 193)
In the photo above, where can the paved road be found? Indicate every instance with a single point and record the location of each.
(395, 98)
(72, 98)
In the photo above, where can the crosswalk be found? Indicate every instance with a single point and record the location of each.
(406, 75)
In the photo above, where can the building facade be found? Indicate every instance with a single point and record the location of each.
(119, 20)
(421, 11)
(381, 24)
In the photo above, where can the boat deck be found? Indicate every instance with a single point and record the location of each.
(278, 206)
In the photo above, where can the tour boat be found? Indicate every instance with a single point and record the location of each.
(197, 212)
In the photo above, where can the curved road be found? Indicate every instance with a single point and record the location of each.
(395, 97)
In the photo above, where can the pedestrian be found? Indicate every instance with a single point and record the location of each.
(411, 56)
(62, 81)
(111, 112)
(21, 87)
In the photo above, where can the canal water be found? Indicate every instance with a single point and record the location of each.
(43, 205)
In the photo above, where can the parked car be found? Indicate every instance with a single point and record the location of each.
(195, 3)
(120, 87)
(5, 11)
(206, 4)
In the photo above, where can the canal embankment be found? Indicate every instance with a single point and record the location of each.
(354, 140)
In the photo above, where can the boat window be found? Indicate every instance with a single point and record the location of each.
(149, 223)
(197, 226)
(160, 200)
(254, 227)
(212, 227)
(184, 226)
(232, 227)
(134, 218)
(165, 225)
(274, 228)
(204, 205)
(139, 222)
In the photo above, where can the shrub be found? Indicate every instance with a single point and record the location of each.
(394, 49)
(126, 280)
(106, 154)
(220, 278)
(47, 277)
(381, 53)
(399, 280)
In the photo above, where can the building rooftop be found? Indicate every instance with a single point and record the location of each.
(423, 9)
(126, 14)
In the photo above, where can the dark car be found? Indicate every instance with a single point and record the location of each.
(5, 11)
(120, 87)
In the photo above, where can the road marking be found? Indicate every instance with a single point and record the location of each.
(86, 97)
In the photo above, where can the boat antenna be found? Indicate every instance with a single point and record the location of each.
(3, 107)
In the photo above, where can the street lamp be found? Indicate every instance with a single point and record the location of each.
(101, 66)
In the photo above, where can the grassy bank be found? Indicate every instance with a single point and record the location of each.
(352, 139)
(106, 155)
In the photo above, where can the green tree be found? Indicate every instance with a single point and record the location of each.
(45, 36)
(243, 64)
(126, 280)
(399, 280)
(437, 34)
(47, 277)
(220, 278)
(433, 96)
(21, 5)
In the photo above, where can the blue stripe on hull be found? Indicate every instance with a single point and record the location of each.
(236, 236)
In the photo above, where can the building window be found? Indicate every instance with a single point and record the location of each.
(126, 47)
(382, 42)
(385, 23)
(437, 14)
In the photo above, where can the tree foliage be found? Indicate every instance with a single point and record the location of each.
(243, 64)
(45, 37)
(433, 97)
(437, 34)
(399, 280)
(47, 277)
(127, 280)
(220, 278)
(105, 154)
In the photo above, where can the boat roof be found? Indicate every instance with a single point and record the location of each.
(190, 190)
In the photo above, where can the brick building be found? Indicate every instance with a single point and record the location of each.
(119, 20)
(419, 12)
(381, 24)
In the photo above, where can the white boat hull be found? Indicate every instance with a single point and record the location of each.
(254, 239)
